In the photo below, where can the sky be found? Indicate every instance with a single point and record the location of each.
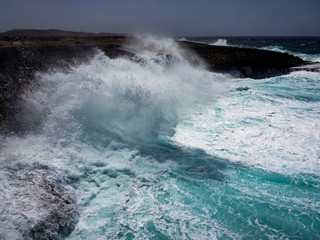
(166, 17)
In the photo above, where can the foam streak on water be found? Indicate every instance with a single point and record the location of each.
(269, 124)
(159, 149)
(306, 57)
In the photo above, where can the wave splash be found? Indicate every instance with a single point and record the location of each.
(134, 100)
(220, 42)
(85, 124)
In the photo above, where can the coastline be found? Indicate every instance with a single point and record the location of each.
(23, 53)
(83, 144)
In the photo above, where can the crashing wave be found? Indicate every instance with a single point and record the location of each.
(220, 42)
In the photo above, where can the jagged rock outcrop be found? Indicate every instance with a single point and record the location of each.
(34, 204)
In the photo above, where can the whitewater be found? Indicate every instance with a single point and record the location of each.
(159, 148)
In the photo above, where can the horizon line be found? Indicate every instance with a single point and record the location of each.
(156, 34)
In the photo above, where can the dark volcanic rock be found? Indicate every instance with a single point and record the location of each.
(34, 204)
(245, 62)
(19, 65)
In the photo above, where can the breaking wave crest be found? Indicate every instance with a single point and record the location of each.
(220, 42)
(135, 100)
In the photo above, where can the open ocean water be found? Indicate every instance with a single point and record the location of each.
(165, 150)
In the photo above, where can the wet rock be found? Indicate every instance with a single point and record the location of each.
(34, 204)
(245, 62)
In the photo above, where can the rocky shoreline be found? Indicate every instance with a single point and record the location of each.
(246, 62)
(23, 53)
(38, 194)
(35, 204)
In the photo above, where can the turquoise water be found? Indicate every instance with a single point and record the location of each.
(268, 137)
(158, 150)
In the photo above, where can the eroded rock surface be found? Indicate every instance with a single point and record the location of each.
(34, 204)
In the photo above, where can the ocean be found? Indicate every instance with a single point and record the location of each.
(162, 149)
(307, 48)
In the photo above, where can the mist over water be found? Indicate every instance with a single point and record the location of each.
(157, 147)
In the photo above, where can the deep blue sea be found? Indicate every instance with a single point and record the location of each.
(307, 48)
(158, 150)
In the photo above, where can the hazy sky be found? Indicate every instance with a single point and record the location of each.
(170, 17)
